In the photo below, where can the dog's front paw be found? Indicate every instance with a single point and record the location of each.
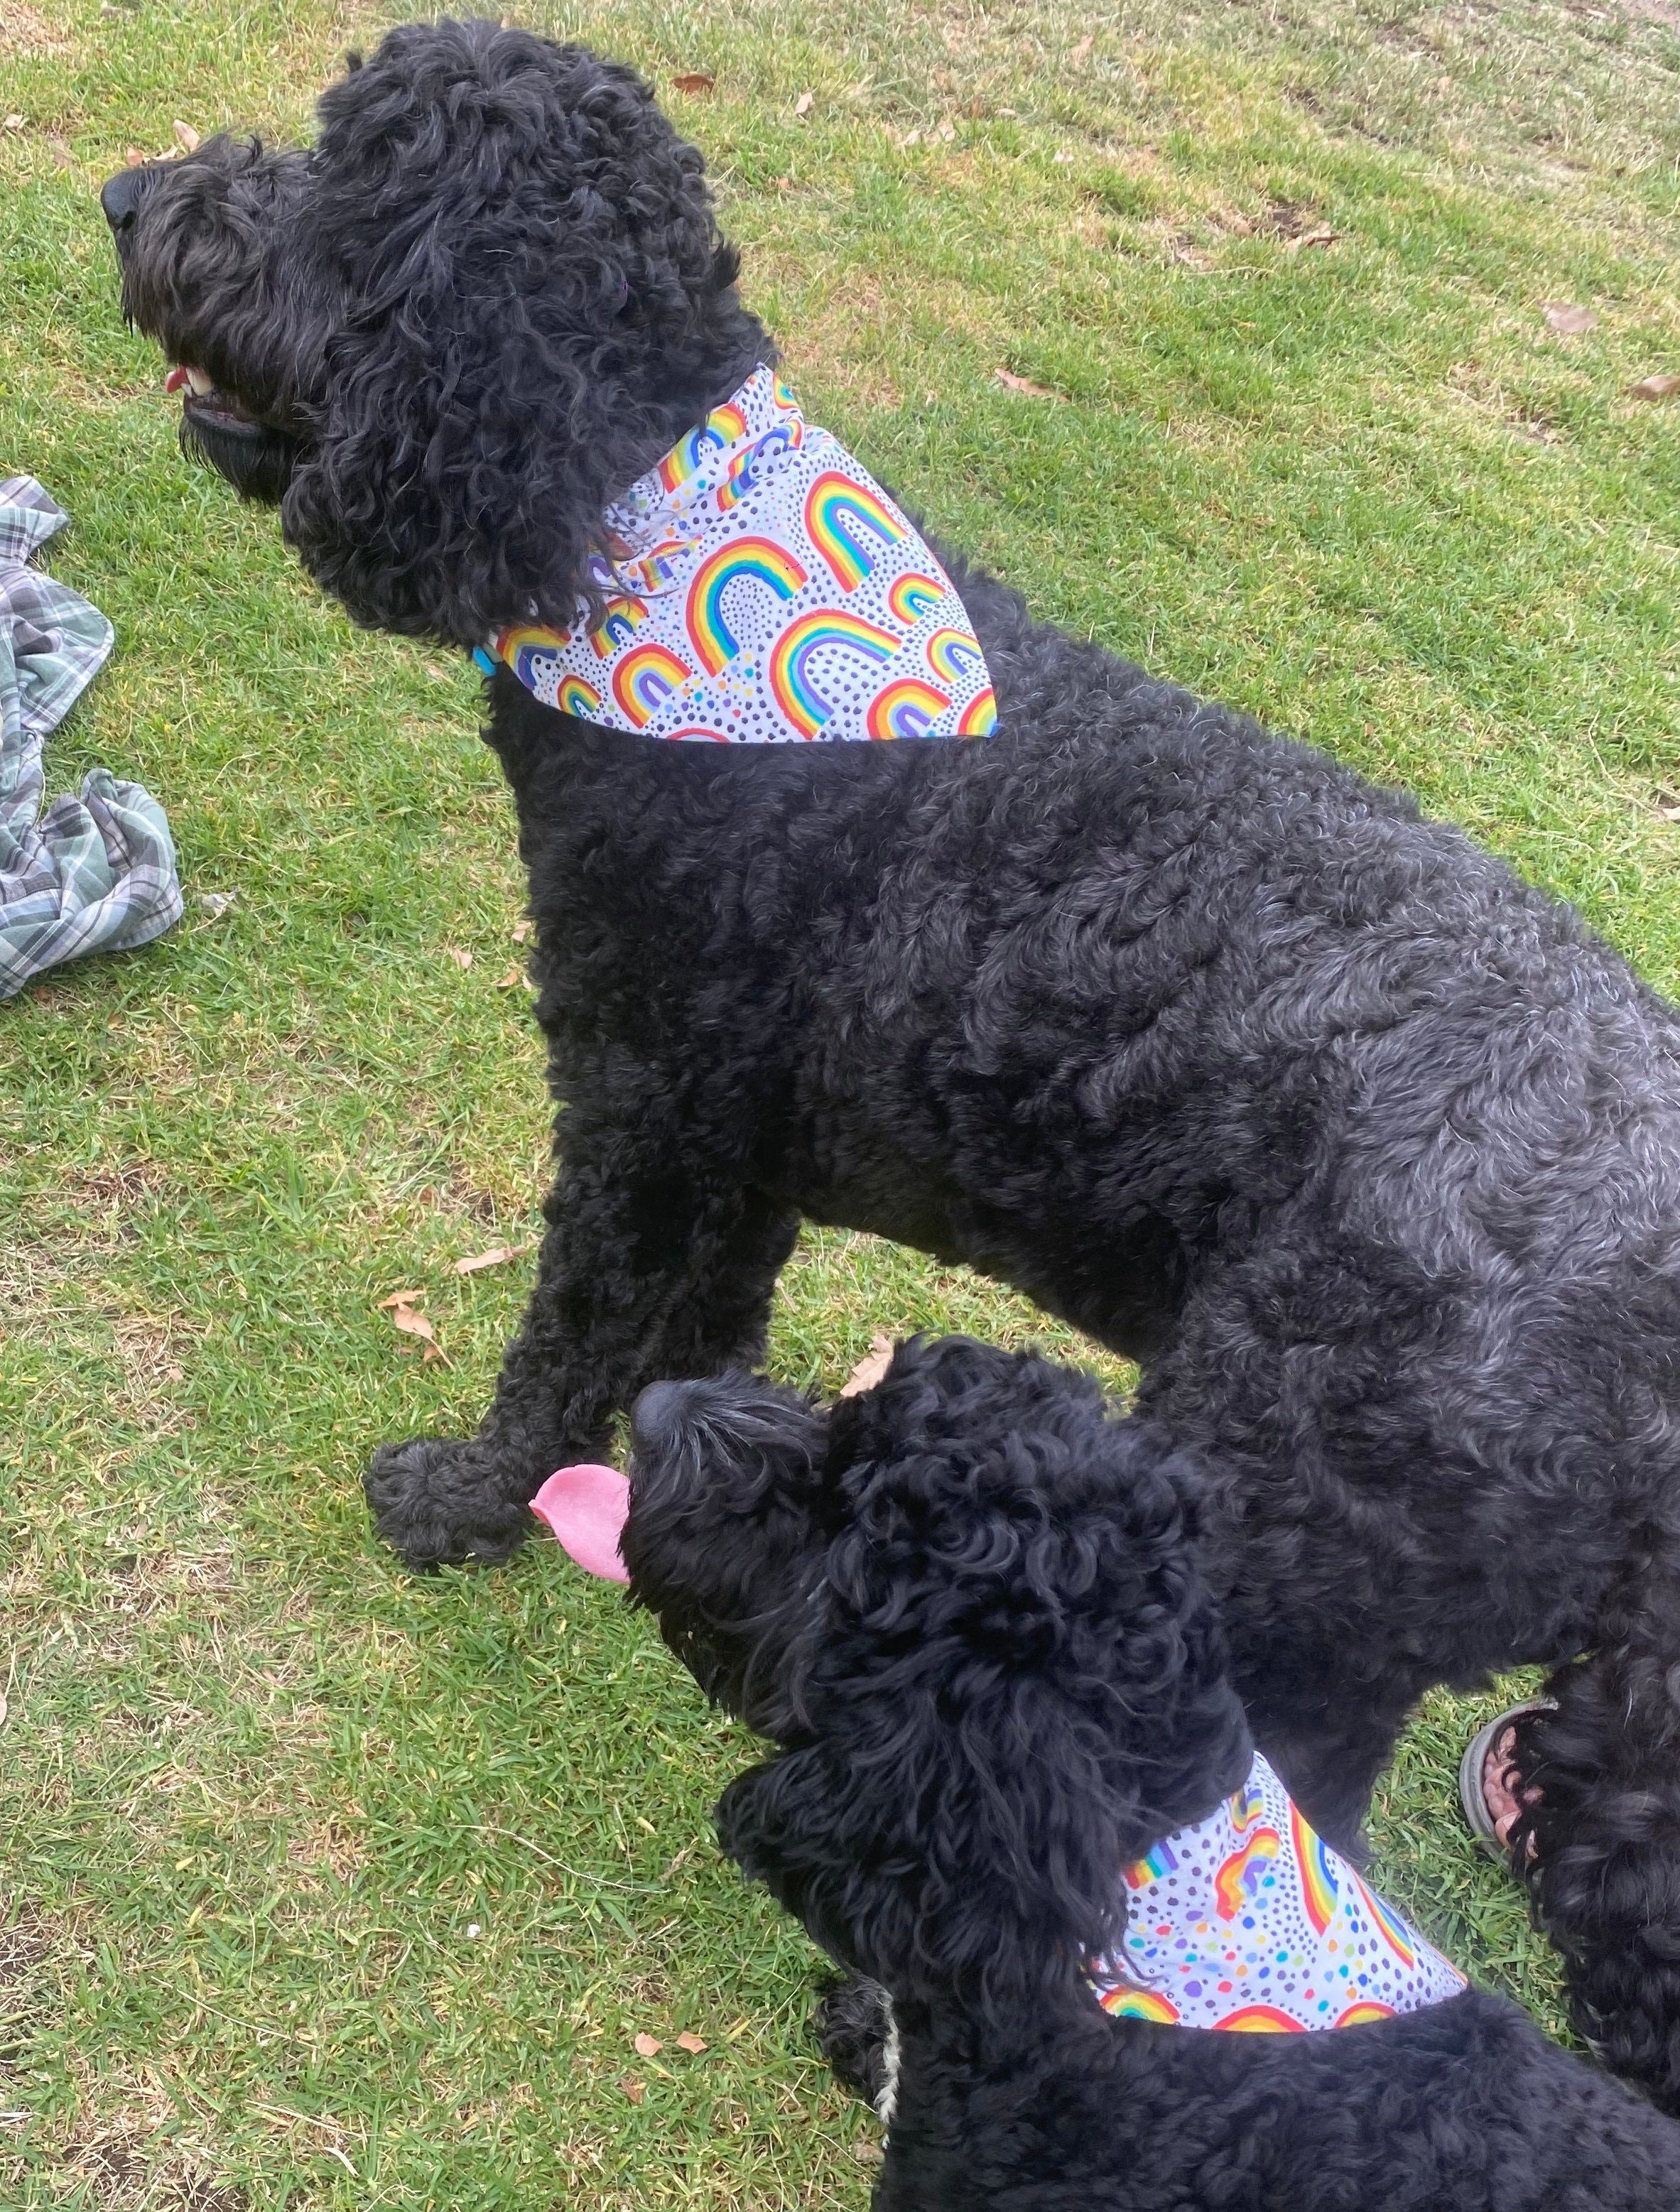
(441, 1501)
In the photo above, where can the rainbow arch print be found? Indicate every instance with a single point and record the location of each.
(720, 430)
(1389, 1926)
(791, 682)
(1358, 2015)
(979, 718)
(693, 729)
(913, 596)
(522, 647)
(1238, 1881)
(840, 517)
(755, 560)
(1319, 1887)
(1247, 1804)
(905, 709)
(738, 478)
(1142, 1872)
(618, 626)
(1125, 2003)
(1259, 2020)
(646, 678)
(955, 653)
(576, 697)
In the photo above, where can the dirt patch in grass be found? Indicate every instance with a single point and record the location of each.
(27, 31)
(124, 2171)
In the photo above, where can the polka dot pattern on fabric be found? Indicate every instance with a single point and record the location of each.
(1248, 1921)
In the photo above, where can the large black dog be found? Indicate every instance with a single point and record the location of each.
(1368, 1151)
(967, 1609)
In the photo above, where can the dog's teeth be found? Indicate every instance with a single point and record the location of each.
(201, 384)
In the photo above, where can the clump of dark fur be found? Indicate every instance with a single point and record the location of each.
(1368, 1151)
(970, 1614)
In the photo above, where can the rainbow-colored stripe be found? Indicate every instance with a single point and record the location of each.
(1247, 1803)
(1319, 1887)
(1358, 2015)
(979, 718)
(906, 709)
(1259, 2020)
(1393, 1931)
(721, 427)
(738, 478)
(622, 620)
(839, 518)
(646, 678)
(1123, 2003)
(575, 697)
(755, 560)
(523, 649)
(791, 682)
(1142, 1872)
(1238, 1882)
(952, 653)
(914, 596)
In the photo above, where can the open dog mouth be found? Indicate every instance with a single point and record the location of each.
(204, 400)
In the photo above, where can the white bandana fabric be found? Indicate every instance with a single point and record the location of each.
(762, 589)
(1248, 1921)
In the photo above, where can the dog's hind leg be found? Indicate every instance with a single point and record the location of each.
(1601, 1775)
(644, 1274)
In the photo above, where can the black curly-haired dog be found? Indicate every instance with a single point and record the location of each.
(967, 1608)
(1368, 1151)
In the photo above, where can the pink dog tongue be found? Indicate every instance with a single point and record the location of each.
(587, 1508)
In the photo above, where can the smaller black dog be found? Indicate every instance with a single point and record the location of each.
(966, 1607)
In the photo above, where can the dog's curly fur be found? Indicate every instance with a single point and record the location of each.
(967, 1608)
(1367, 1151)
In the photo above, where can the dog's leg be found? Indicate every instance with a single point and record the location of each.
(854, 2028)
(1328, 1744)
(1603, 1816)
(642, 1276)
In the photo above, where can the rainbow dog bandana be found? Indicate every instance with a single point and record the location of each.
(1247, 1922)
(762, 589)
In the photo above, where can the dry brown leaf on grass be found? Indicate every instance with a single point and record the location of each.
(400, 1306)
(635, 2090)
(512, 980)
(133, 157)
(497, 1256)
(870, 1368)
(185, 136)
(61, 152)
(689, 2041)
(1323, 235)
(695, 80)
(1084, 45)
(522, 931)
(1025, 385)
(805, 103)
(648, 2047)
(1654, 387)
(1667, 803)
(462, 960)
(1568, 320)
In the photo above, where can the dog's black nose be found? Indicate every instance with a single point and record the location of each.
(657, 1414)
(121, 197)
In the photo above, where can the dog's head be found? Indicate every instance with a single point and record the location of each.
(965, 1604)
(489, 296)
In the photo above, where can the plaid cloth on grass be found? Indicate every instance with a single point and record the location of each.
(97, 873)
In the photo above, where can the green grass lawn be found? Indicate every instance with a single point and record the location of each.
(325, 1887)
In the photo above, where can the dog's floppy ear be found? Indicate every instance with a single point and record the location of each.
(530, 279)
(1015, 1685)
